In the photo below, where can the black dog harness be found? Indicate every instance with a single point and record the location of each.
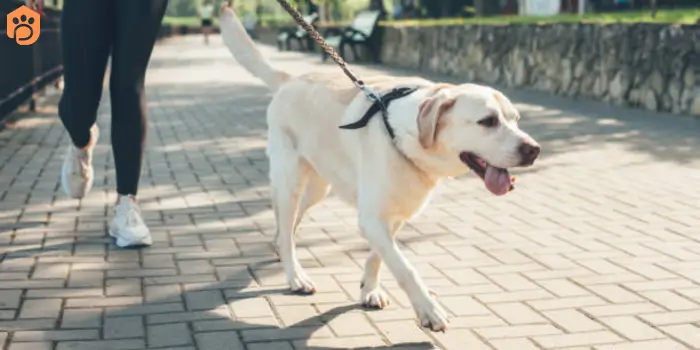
(381, 105)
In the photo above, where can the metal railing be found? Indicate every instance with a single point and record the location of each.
(24, 70)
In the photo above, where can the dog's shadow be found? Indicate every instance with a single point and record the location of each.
(315, 323)
(221, 322)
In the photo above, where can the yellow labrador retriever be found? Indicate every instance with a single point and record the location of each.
(440, 131)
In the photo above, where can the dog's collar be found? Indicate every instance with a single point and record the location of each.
(381, 105)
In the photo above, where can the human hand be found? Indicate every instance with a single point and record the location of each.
(34, 4)
(226, 5)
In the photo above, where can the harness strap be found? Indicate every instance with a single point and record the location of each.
(381, 105)
(378, 103)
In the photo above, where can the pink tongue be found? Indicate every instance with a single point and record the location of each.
(497, 180)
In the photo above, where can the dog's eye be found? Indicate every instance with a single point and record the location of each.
(489, 122)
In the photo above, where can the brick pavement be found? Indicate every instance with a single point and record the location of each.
(598, 248)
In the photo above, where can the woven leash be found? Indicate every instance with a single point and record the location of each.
(328, 49)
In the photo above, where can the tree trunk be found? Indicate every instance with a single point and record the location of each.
(486, 7)
(446, 8)
(653, 8)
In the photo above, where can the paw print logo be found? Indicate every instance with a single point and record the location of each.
(24, 25)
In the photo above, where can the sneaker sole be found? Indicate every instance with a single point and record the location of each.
(122, 243)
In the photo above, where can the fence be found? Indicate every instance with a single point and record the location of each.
(24, 70)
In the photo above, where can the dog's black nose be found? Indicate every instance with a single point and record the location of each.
(529, 152)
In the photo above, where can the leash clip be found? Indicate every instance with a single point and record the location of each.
(368, 93)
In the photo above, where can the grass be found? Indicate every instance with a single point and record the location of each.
(683, 16)
(181, 21)
(195, 22)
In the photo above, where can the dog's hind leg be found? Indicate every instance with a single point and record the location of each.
(316, 190)
(289, 175)
(372, 296)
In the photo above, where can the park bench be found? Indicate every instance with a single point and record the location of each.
(361, 32)
(285, 35)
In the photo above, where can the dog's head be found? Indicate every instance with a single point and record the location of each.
(476, 127)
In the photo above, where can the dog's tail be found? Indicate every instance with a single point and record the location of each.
(245, 52)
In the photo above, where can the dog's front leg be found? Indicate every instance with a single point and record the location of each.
(372, 296)
(378, 233)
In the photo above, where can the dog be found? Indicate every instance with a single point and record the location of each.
(440, 131)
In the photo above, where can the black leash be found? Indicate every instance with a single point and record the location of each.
(329, 50)
(379, 103)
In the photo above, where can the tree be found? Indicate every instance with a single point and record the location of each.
(487, 7)
(654, 8)
(181, 8)
(445, 8)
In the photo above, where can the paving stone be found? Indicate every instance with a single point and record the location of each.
(10, 299)
(246, 308)
(163, 294)
(204, 300)
(34, 336)
(168, 335)
(81, 318)
(135, 310)
(218, 340)
(103, 302)
(27, 324)
(41, 308)
(51, 271)
(31, 346)
(123, 327)
(270, 346)
(645, 345)
(64, 293)
(284, 334)
(86, 279)
(577, 339)
(123, 287)
(125, 344)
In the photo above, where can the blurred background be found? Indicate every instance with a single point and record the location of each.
(184, 12)
(24, 70)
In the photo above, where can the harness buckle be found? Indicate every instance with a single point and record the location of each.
(368, 93)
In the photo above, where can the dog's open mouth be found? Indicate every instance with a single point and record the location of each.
(497, 180)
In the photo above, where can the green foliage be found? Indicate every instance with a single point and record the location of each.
(685, 16)
(183, 12)
(181, 8)
(272, 12)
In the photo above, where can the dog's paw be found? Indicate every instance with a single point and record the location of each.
(302, 285)
(431, 315)
(374, 299)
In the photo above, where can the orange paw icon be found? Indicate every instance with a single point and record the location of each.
(24, 25)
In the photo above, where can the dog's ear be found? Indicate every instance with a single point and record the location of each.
(429, 113)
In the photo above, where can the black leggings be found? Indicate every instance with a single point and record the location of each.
(90, 30)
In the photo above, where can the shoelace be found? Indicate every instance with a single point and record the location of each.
(133, 214)
(80, 166)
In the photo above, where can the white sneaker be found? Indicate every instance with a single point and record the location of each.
(127, 225)
(77, 174)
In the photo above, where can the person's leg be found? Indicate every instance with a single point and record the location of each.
(137, 25)
(206, 29)
(86, 37)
